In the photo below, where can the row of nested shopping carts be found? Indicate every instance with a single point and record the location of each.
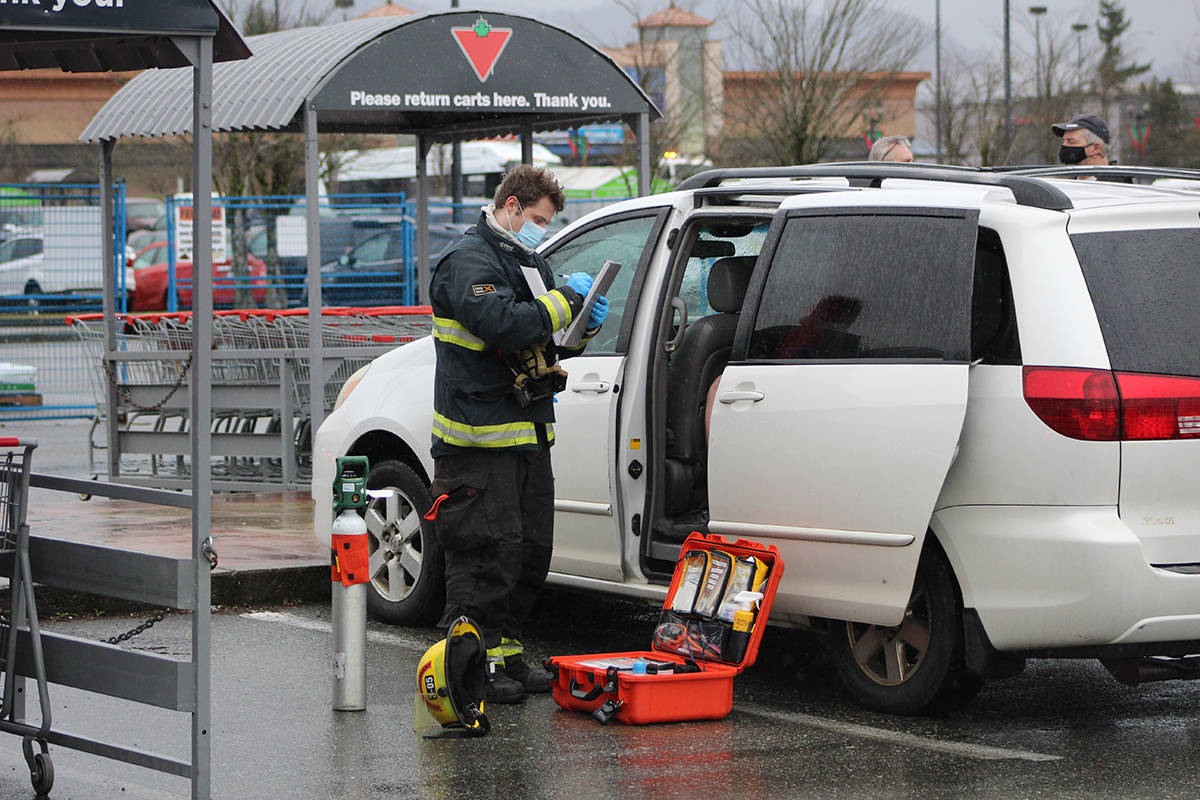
(249, 344)
(20, 625)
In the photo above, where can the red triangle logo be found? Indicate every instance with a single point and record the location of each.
(482, 45)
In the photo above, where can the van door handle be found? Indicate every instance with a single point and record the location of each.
(599, 387)
(732, 397)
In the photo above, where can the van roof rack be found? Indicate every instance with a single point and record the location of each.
(1103, 171)
(750, 192)
(1027, 190)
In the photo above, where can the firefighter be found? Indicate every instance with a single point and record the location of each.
(497, 373)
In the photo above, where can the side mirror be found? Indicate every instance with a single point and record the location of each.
(345, 259)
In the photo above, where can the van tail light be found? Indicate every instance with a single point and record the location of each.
(1098, 405)
(1079, 403)
(1159, 406)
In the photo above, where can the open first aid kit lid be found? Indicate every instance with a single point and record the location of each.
(719, 600)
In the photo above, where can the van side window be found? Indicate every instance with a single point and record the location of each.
(865, 287)
(714, 241)
(993, 318)
(624, 241)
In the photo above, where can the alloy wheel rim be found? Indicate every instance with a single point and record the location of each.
(394, 545)
(889, 656)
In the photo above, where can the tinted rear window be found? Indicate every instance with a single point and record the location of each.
(867, 287)
(1145, 286)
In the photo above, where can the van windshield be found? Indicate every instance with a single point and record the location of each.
(1144, 285)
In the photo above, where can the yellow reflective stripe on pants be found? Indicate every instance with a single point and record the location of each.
(454, 332)
(510, 647)
(510, 434)
(558, 308)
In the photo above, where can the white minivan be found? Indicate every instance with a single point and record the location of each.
(964, 405)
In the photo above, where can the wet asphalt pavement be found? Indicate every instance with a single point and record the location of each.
(1063, 729)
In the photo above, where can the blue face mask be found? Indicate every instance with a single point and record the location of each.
(531, 234)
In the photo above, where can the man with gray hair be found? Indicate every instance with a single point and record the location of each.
(1085, 141)
(891, 148)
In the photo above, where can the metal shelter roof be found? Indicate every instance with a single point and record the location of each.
(263, 92)
(360, 75)
(99, 39)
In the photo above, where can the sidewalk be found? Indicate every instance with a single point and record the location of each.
(264, 542)
(266, 549)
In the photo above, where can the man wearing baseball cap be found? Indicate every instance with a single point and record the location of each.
(1085, 141)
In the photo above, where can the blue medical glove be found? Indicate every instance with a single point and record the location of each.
(599, 313)
(580, 282)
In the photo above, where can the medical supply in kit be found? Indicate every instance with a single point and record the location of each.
(742, 579)
(695, 565)
(743, 623)
(719, 565)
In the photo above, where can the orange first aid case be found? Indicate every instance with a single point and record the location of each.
(698, 645)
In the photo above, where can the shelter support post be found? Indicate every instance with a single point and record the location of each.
(201, 413)
(312, 228)
(526, 144)
(456, 182)
(643, 140)
(108, 232)
(422, 293)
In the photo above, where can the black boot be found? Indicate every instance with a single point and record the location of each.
(500, 687)
(535, 680)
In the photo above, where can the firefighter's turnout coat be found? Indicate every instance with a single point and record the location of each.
(484, 316)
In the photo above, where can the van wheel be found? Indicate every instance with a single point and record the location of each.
(407, 583)
(916, 667)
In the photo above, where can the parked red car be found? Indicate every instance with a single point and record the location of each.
(150, 270)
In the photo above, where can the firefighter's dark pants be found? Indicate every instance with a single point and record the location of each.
(496, 528)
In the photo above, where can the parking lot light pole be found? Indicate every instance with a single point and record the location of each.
(1038, 12)
(456, 174)
(1008, 114)
(937, 57)
(1080, 29)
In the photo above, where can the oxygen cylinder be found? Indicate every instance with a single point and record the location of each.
(349, 612)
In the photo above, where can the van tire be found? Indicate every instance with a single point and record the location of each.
(928, 674)
(407, 587)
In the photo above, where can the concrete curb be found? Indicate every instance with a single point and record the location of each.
(243, 588)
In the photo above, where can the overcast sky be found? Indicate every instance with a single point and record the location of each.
(1165, 32)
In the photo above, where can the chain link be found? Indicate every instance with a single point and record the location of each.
(206, 549)
(108, 370)
(139, 629)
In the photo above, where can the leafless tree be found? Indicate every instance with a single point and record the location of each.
(1063, 81)
(813, 74)
(1055, 80)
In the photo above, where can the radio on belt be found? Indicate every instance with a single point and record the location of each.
(708, 632)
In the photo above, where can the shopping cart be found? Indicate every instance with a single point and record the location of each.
(15, 458)
(252, 348)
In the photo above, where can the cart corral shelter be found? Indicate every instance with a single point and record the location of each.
(98, 36)
(440, 77)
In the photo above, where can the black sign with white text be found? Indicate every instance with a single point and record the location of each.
(480, 64)
(142, 16)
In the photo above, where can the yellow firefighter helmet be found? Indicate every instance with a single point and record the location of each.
(452, 679)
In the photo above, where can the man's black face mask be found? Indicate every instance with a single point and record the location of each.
(1071, 155)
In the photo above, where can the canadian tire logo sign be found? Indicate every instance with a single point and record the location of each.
(482, 45)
